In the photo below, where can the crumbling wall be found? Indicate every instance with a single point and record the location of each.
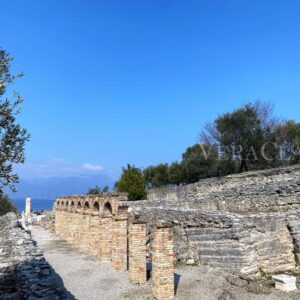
(262, 191)
(247, 223)
(24, 273)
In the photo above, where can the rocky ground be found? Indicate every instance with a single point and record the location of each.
(86, 278)
(24, 272)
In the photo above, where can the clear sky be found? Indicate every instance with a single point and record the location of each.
(114, 82)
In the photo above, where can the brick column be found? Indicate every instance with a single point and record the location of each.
(73, 227)
(137, 253)
(94, 235)
(119, 243)
(63, 224)
(162, 263)
(105, 238)
(85, 232)
(78, 224)
(57, 222)
(69, 226)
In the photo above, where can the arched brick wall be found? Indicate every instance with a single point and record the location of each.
(107, 208)
(79, 206)
(86, 206)
(96, 207)
(72, 206)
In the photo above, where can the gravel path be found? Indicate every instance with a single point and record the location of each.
(88, 279)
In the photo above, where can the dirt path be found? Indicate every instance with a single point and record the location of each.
(87, 278)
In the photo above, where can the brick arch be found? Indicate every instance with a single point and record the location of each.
(96, 207)
(72, 205)
(107, 208)
(79, 206)
(64, 206)
(57, 205)
(86, 206)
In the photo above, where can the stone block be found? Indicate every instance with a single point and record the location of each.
(285, 283)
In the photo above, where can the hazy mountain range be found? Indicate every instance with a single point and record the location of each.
(50, 188)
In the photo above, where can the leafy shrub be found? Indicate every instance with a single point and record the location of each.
(6, 205)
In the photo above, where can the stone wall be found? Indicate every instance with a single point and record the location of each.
(247, 223)
(263, 191)
(24, 273)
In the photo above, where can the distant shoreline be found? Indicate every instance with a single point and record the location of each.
(36, 204)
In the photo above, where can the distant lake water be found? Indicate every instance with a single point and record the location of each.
(36, 204)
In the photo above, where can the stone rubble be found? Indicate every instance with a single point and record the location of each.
(24, 272)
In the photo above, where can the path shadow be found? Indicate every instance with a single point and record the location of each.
(176, 282)
(149, 270)
(33, 279)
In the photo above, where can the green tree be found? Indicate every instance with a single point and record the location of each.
(149, 174)
(198, 161)
(97, 190)
(157, 176)
(132, 182)
(6, 205)
(176, 173)
(288, 136)
(161, 175)
(105, 189)
(12, 136)
(242, 133)
(94, 191)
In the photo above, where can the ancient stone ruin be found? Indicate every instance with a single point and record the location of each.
(248, 223)
(101, 226)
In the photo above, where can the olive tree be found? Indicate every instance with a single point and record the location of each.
(12, 136)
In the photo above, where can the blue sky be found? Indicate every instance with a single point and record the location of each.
(114, 82)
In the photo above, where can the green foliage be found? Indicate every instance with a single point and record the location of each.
(242, 133)
(176, 173)
(198, 162)
(97, 190)
(12, 136)
(6, 205)
(288, 135)
(249, 138)
(94, 191)
(157, 175)
(105, 189)
(132, 182)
